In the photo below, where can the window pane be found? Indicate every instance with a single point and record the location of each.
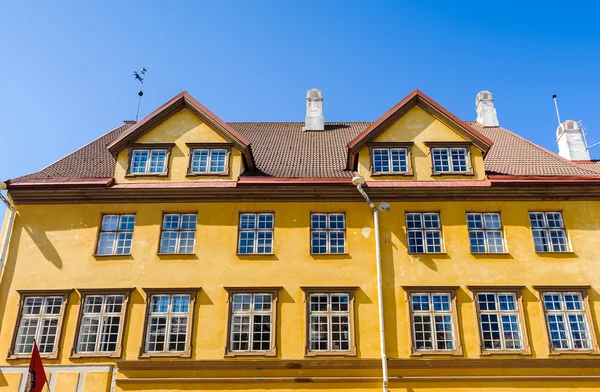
(106, 243)
(474, 221)
(336, 221)
(171, 222)
(492, 221)
(168, 242)
(186, 242)
(126, 223)
(431, 220)
(318, 242)
(265, 221)
(318, 221)
(495, 242)
(399, 158)
(157, 161)
(440, 160)
(459, 159)
(413, 221)
(247, 243)
(248, 221)
(433, 239)
(537, 219)
(199, 161)
(381, 159)
(477, 241)
(217, 160)
(139, 161)
(110, 222)
(554, 219)
(415, 242)
(540, 240)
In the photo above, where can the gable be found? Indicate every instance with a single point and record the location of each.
(182, 127)
(183, 101)
(414, 99)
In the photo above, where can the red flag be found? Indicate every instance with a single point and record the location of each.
(37, 376)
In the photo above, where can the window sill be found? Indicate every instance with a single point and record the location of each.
(548, 253)
(16, 357)
(329, 254)
(125, 255)
(166, 355)
(391, 174)
(221, 174)
(250, 354)
(130, 175)
(451, 353)
(428, 254)
(555, 353)
(489, 353)
(255, 254)
(463, 174)
(176, 254)
(95, 355)
(330, 354)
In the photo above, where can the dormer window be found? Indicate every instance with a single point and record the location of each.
(149, 159)
(451, 159)
(209, 159)
(390, 158)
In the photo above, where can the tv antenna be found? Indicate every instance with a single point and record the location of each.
(556, 107)
(140, 93)
(584, 135)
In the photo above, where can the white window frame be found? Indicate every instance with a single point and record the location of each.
(22, 340)
(123, 236)
(485, 231)
(250, 313)
(209, 159)
(267, 232)
(328, 231)
(169, 315)
(328, 315)
(102, 317)
(425, 232)
(566, 322)
(149, 160)
(450, 162)
(432, 314)
(547, 231)
(402, 154)
(499, 313)
(178, 231)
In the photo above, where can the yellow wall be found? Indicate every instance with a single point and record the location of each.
(181, 128)
(420, 127)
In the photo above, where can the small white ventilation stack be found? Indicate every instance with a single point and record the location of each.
(486, 112)
(314, 120)
(571, 144)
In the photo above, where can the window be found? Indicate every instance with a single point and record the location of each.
(424, 232)
(450, 160)
(116, 234)
(148, 161)
(390, 160)
(252, 318)
(168, 322)
(434, 325)
(485, 233)
(500, 316)
(178, 233)
(330, 317)
(549, 233)
(256, 233)
(40, 319)
(101, 321)
(568, 320)
(209, 160)
(328, 233)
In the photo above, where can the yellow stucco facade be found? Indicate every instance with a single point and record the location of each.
(53, 246)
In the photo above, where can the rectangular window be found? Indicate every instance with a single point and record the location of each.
(424, 232)
(330, 327)
(148, 161)
(327, 233)
(41, 319)
(500, 321)
(485, 233)
(252, 318)
(548, 231)
(567, 321)
(390, 160)
(178, 233)
(101, 324)
(116, 234)
(432, 322)
(209, 160)
(256, 233)
(450, 160)
(168, 323)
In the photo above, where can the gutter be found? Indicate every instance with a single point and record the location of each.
(11, 219)
(358, 181)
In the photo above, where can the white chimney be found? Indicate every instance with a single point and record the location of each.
(314, 111)
(571, 145)
(486, 112)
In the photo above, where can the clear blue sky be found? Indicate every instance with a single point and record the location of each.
(66, 68)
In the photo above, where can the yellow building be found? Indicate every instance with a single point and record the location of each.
(184, 253)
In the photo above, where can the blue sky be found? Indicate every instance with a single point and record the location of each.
(66, 67)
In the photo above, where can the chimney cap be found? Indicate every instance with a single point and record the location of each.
(567, 126)
(483, 95)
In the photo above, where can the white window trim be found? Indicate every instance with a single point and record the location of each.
(250, 314)
(499, 314)
(329, 314)
(169, 315)
(328, 232)
(148, 161)
(485, 232)
(566, 322)
(547, 229)
(450, 160)
(424, 231)
(390, 160)
(101, 315)
(256, 230)
(208, 160)
(432, 313)
(178, 231)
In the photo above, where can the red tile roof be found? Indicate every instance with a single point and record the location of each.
(285, 150)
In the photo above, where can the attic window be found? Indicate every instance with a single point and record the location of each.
(451, 160)
(150, 161)
(209, 159)
(390, 160)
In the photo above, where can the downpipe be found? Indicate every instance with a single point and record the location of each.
(11, 218)
(384, 364)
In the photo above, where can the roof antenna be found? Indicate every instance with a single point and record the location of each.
(140, 93)
(556, 106)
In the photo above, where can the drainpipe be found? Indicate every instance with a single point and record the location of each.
(11, 218)
(359, 181)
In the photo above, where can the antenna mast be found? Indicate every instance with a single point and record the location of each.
(140, 93)
(556, 106)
